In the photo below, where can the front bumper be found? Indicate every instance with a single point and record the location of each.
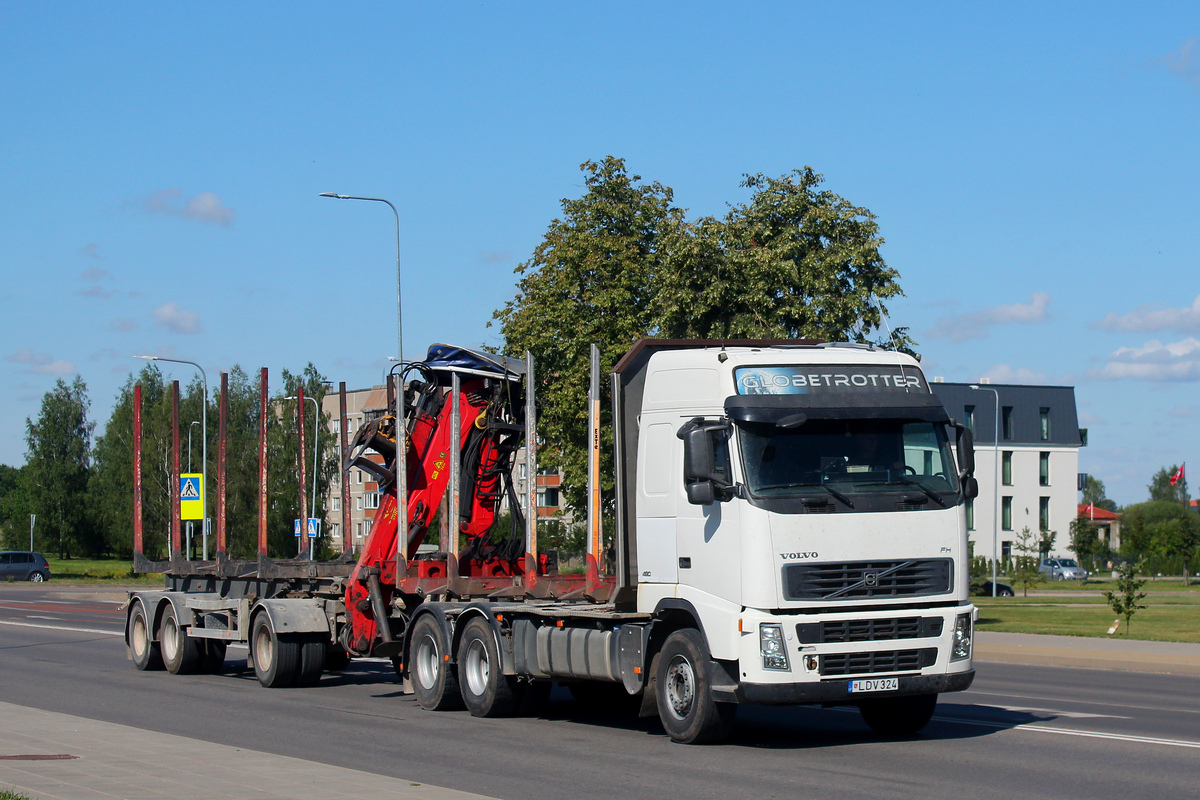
(837, 690)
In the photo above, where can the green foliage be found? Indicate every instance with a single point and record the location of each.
(1045, 542)
(59, 463)
(1141, 525)
(1094, 494)
(1024, 572)
(1126, 601)
(1160, 487)
(1085, 540)
(622, 264)
(14, 509)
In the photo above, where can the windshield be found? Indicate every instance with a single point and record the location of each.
(847, 457)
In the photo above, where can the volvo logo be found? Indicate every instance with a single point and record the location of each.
(798, 556)
(871, 579)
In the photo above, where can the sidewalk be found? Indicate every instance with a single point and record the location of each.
(1130, 655)
(92, 760)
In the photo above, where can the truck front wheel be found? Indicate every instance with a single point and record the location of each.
(434, 682)
(276, 658)
(898, 716)
(686, 706)
(486, 690)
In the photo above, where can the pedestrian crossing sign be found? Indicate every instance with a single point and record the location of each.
(191, 496)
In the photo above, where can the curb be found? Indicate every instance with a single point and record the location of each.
(1127, 655)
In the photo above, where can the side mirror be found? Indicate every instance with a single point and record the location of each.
(965, 450)
(701, 493)
(970, 488)
(697, 454)
(705, 473)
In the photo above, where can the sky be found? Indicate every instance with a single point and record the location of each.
(1033, 169)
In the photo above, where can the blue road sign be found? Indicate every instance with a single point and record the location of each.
(314, 527)
(296, 527)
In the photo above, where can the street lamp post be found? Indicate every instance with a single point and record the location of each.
(193, 424)
(401, 432)
(203, 443)
(996, 485)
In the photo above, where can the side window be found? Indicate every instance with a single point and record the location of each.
(6, 558)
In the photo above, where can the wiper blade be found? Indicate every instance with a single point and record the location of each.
(932, 495)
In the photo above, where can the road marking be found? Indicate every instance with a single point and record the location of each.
(1120, 737)
(1175, 709)
(1067, 714)
(61, 628)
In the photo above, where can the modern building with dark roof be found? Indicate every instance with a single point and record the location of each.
(1027, 441)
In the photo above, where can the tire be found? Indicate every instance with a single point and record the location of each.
(686, 706)
(898, 716)
(276, 658)
(486, 690)
(145, 652)
(313, 650)
(214, 656)
(181, 654)
(534, 699)
(37, 577)
(434, 680)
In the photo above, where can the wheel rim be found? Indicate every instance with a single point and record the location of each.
(137, 635)
(264, 649)
(427, 662)
(36, 577)
(476, 666)
(170, 634)
(681, 686)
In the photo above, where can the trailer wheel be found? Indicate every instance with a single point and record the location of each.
(312, 659)
(214, 655)
(146, 655)
(898, 716)
(486, 690)
(276, 658)
(686, 706)
(181, 653)
(434, 681)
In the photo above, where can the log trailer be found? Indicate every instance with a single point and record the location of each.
(789, 529)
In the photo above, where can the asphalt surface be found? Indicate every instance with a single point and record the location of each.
(1119, 721)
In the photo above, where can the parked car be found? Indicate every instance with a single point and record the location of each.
(1063, 569)
(984, 589)
(23, 565)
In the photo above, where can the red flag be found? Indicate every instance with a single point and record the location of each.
(1178, 476)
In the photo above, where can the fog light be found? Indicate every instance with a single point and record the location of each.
(770, 644)
(962, 638)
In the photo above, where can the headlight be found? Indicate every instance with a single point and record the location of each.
(962, 638)
(771, 645)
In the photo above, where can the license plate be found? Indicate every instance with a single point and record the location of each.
(875, 685)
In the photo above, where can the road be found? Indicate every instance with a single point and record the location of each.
(1020, 732)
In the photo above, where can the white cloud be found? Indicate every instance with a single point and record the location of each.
(974, 324)
(41, 363)
(205, 206)
(1148, 318)
(174, 318)
(1154, 361)
(1003, 373)
(1183, 63)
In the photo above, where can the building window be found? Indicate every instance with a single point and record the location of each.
(548, 498)
(1044, 513)
(521, 470)
(1006, 513)
(337, 426)
(1006, 416)
(971, 515)
(358, 504)
(335, 504)
(969, 418)
(1005, 551)
(358, 531)
(1006, 468)
(358, 478)
(372, 499)
(1044, 469)
(1044, 416)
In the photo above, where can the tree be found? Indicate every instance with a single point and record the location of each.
(1094, 494)
(14, 509)
(1177, 537)
(1045, 542)
(1085, 539)
(1126, 601)
(622, 264)
(1025, 563)
(1140, 522)
(58, 464)
(1161, 488)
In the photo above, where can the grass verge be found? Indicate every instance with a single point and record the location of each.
(1169, 618)
(96, 570)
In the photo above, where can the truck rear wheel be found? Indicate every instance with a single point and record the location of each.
(313, 651)
(486, 690)
(276, 658)
(898, 716)
(214, 655)
(434, 681)
(181, 654)
(686, 706)
(146, 654)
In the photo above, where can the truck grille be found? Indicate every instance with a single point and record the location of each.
(882, 661)
(865, 580)
(868, 630)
